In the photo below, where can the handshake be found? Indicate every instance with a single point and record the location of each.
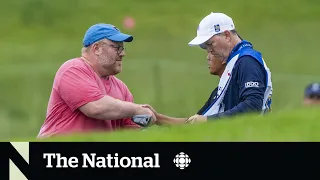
(150, 117)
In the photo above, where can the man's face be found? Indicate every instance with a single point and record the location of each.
(216, 64)
(109, 55)
(219, 45)
(312, 100)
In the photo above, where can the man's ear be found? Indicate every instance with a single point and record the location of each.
(96, 49)
(227, 35)
(224, 62)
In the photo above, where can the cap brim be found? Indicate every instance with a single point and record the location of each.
(199, 40)
(121, 37)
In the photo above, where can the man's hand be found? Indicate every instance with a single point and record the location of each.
(147, 111)
(196, 119)
(165, 120)
(151, 109)
(157, 115)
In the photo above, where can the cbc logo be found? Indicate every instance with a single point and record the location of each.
(182, 160)
(251, 84)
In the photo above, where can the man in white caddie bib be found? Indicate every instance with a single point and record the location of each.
(245, 85)
(245, 80)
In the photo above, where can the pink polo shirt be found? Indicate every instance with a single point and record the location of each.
(76, 84)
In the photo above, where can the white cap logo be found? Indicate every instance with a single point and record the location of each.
(212, 24)
(217, 28)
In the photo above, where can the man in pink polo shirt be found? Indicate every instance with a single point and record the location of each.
(86, 96)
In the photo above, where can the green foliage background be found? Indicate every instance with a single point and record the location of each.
(37, 36)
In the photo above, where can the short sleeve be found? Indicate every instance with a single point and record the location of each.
(77, 87)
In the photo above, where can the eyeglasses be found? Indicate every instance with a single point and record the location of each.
(118, 48)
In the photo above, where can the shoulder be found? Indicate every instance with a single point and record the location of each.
(248, 63)
(249, 69)
(73, 70)
(74, 66)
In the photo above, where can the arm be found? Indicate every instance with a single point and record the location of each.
(108, 108)
(251, 98)
(165, 120)
(80, 91)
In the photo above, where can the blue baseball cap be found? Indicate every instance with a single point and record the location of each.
(312, 90)
(100, 31)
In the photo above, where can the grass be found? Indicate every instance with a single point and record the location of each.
(298, 125)
(37, 36)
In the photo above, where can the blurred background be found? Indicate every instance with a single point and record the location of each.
(160, 69)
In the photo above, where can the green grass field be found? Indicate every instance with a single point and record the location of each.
(160, 69)
(300, 125)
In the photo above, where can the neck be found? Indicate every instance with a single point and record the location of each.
(86, 58)
(236, 41)
(220, 73)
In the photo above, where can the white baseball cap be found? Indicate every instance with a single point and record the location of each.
(212, 24)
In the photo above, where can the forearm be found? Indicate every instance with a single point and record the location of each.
(118, 110)
(112, 109)
(252, 104)
(167, 120)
